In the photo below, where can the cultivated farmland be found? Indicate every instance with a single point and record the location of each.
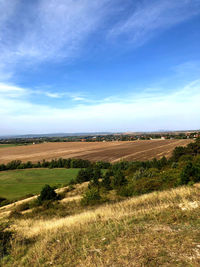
(94, 151)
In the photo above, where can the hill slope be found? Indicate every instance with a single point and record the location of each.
(157, 229)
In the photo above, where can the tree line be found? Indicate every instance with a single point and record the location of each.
(54, 163)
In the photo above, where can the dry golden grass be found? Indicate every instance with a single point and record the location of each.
(157, 229)
(135, 206)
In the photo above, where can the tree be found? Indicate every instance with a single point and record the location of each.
(119, 179)
(106, 181)
(190, 173)
(95, 179)
(47, 193)
(84, 175)
(91, 197)
(178, 152)
(163, 162)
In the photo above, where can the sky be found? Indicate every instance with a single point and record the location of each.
(70, 66)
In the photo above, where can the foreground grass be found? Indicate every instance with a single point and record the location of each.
(158, 229)
(19, 183)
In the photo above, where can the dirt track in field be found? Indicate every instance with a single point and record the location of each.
(106, 151)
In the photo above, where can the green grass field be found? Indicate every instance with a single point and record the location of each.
(7, 145)
(18, 183)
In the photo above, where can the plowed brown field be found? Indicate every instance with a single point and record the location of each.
(106, 151)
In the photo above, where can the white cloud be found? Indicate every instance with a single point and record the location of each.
(11, 91)
(176, 110)
(53, 95)
(151, 17)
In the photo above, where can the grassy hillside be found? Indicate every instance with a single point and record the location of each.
(156, 229)
(19, 183)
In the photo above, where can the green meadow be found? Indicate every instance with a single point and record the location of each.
(7, 145)
(19, 183)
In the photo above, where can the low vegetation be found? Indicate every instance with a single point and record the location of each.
(156, 229)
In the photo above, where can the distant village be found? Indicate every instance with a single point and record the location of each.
(102, 137)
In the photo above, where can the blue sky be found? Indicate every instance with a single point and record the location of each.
(101, 65)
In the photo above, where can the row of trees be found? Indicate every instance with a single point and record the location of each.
(55, 163)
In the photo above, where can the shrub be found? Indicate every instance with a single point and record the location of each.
(190, 173)
(103, 165)
(22, 207)
(71, 182)
(177, 153)
(185, 158)
(147, 185)
(47, 193)
(5, 238)
(84, 175)
(126, 190)
(106, 181)
(47, 204)
(34, 203)
(174, 165)
(119, 180)
(91, 197)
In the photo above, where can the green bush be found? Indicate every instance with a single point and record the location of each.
(190, 173)
(84, 175)
(34, 203)
(91, 197)
(147, 185)
(71, 182)
(185, 158)
(126, 190)
(5, 238)
(118, 180)
(106, 181)
(47, 193)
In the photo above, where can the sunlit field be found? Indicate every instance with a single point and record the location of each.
(19, 183)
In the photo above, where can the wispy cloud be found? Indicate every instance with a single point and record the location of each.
(137, 112)
(189, 68)
(150, 17)
(45, 30)
(11, 91)
(53, 30)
